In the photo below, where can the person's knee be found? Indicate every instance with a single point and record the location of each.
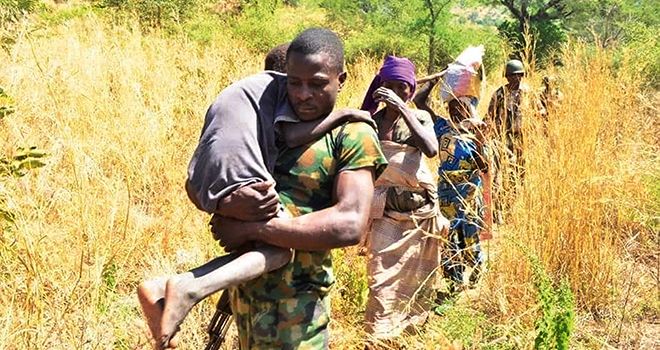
(276, 257)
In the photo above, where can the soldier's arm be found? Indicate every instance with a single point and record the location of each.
(492, 117)
(338, 226)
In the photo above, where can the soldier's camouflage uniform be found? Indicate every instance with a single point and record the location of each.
(289, 308)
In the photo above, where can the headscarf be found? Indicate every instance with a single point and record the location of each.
(394, 68)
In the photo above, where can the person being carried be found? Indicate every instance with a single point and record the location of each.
(276, 58)
(327, 185)
(402, 243)
(230, 176)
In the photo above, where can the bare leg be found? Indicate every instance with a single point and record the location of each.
(185, 290)
(152, 300)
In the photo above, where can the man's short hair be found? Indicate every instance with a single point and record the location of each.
(276, 58)
(313, 41)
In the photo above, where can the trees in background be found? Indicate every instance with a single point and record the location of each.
(535, 27)
(431, 32)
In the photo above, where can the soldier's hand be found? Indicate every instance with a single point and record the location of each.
(254, 202)
(229, 233)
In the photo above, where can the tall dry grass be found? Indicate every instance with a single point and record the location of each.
(585, 206)
(120, 111)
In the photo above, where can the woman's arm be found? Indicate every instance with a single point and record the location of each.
(422, 96)
(478, 128)
(423, 138)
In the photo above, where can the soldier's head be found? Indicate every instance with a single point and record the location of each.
(514, 72)
(315, 69)
(276, 58)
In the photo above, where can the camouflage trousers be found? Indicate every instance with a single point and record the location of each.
(300, 322)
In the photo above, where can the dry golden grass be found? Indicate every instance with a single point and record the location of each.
(119, 113)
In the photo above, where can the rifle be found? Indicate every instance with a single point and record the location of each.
(219, 323)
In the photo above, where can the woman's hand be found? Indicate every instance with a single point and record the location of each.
(476, 127)
(391, 99)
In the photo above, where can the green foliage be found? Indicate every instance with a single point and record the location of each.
(5, 215)
(353, 289)
(6, 104)
(565, 315)
(422, 30)
(17, 165)
(154, 13)
(555, 325)
(462, 323)
(255, 24)
(629, 27)
(379, 28)
(203, 28)
(547, 36)
(23, 161)
(11, 10)
(109, 286)
(640, 41)
(63, 15)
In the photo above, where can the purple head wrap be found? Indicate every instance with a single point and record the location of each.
(394, 68)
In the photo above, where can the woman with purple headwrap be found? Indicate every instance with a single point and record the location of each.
(402, 243)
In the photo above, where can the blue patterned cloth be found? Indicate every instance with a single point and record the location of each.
(459, 184)
(461, 201)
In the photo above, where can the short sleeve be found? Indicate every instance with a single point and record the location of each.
(284, 114)
(358, 147)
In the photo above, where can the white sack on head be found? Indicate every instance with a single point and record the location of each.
(463, 76)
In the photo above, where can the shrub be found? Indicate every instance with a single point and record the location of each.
(11, 10)
(557, 305)
(155, 13)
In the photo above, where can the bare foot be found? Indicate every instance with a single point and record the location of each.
(152, 299)
(179, 300)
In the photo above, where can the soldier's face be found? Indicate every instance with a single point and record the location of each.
(514, 80)
(312, 84)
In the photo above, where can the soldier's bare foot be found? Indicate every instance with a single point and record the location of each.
(179, 300)
(152, 298)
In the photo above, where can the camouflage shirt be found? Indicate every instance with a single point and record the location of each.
(305, 178)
